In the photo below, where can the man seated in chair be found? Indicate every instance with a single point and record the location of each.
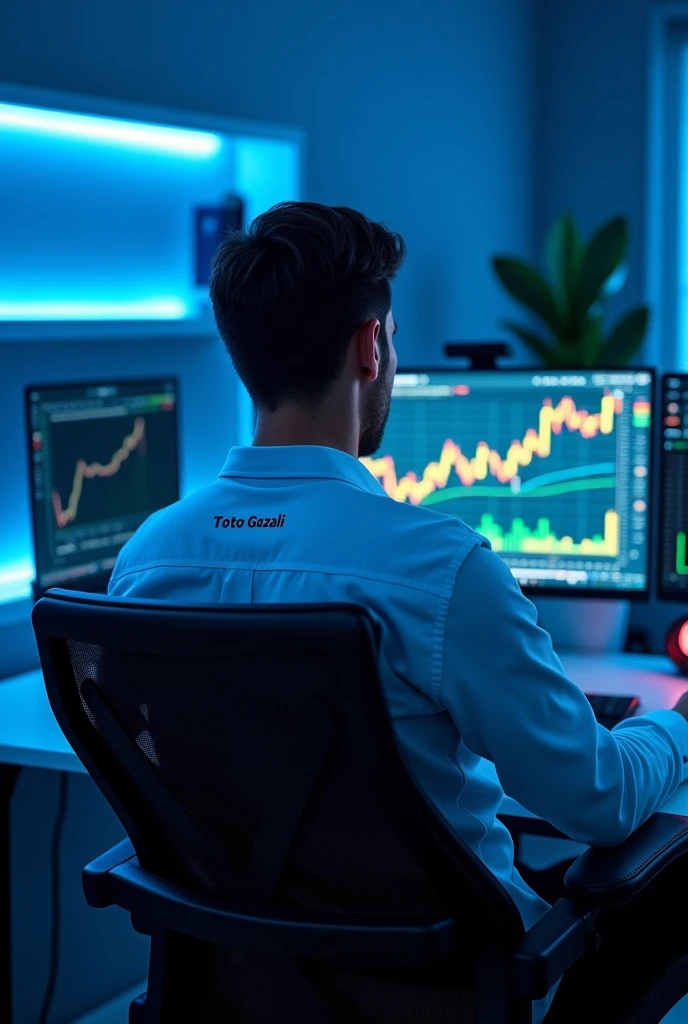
(303, 302)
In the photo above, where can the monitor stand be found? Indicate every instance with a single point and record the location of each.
(481, 355)
(594, 625)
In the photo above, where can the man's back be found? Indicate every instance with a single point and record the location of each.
(309, 511)
(310, 524)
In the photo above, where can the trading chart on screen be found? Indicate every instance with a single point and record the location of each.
(103, 457)
(554, 469)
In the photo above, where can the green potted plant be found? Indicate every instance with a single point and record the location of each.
(570, 304)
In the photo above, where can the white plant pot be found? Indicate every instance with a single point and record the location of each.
(587, 625)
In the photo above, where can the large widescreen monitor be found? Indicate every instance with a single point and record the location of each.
(673, 497)
(103, 457)
(554, 468)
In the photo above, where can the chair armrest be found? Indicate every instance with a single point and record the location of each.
(607, 877)
(155, 904)
(550, 947)
(95, 878)
(600, 877)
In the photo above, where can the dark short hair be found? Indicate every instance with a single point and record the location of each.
(289, 294)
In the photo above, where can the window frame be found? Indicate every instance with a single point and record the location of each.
(666, 236)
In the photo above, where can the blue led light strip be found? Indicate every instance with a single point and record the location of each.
(130, 134)
(148, 309)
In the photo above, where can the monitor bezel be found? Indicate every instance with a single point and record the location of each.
(637, 596)
(97, 580)
(662, 595)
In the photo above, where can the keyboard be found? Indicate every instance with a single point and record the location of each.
(609, 709)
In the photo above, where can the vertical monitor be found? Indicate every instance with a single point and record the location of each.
(103, 457)
(673, 497)
(554, 468)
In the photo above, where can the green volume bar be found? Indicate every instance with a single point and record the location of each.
(543, 541)
(681, 567)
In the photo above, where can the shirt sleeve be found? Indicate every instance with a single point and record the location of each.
(513, 704)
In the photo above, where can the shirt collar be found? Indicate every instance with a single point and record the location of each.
(299, 461)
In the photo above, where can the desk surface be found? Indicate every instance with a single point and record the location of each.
(654, 679)
(30, 736)
(29, 733)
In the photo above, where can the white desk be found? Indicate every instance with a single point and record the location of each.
(29, 735)
(652, 678)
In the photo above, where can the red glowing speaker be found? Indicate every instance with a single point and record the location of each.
(677, 644)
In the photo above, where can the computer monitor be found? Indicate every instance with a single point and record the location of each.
(673, 497)
(102, 457)
(553, 467)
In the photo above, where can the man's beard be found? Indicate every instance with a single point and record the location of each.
(377, 414)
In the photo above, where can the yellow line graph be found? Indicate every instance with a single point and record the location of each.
(487, 460)
(88, 471)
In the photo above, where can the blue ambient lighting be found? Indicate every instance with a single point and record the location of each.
(134, 134)
(15, 582)
(148, 309)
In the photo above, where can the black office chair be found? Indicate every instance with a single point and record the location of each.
(280, 856)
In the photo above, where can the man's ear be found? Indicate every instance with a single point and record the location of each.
(369, 348)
